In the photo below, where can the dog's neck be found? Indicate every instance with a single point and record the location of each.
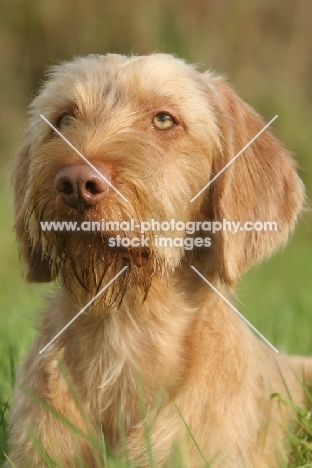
(137, 350)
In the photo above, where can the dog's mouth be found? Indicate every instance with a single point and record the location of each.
(137, 257)
(111, 245)
(77, 246)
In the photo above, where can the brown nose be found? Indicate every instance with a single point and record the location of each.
(80, 186)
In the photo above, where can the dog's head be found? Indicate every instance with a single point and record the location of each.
(156, 131)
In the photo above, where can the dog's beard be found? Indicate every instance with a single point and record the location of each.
(85, 263)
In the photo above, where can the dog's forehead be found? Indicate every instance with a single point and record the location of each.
(115, 87)
(89, 80)
(146, 70)
(159, 73)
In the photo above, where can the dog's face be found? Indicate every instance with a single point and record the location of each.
(158, 131)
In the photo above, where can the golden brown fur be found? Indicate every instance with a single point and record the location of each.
(159, 333)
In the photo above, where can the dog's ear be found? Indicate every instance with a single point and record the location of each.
(260, 185)
(36, 266)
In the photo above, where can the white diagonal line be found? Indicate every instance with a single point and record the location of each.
(235, 157)
(84, 308)
(85, 159)
(235, 310)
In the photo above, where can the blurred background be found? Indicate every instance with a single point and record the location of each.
(263, 48)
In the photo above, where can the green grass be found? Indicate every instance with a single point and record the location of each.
(301, 440)
(275, 297)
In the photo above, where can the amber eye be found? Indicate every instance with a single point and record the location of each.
(64, 121)
(163, 121)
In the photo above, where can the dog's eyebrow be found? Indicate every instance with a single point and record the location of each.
(235, 310)
(84, 158)
(233, 159)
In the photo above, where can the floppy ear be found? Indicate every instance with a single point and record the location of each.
(260, 185)
(36, 266)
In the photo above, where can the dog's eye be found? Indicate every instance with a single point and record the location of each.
(163, 121)
(64, 121)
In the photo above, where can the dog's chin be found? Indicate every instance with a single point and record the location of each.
(86, 264)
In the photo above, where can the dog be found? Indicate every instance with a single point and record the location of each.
(157, 363)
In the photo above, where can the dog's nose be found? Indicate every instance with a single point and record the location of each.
(80, 186)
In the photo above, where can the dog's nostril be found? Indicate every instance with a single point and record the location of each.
(64, 185)
(67, 187)
(93, 187)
